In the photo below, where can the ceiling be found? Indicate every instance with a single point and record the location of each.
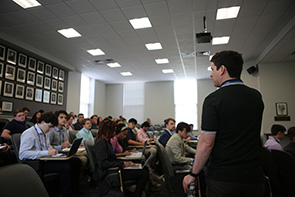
(263, 32)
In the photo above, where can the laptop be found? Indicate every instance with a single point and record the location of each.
(73, 150)
(137, 155)
(139, 165)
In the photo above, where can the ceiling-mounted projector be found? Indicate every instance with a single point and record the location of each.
(204, 37)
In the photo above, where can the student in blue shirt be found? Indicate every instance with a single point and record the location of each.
(85, 132)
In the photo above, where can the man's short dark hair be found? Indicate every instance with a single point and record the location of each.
(145, 124)
(291, 133)
(61, 112)
(93, 116)
(276, 128)
(26, 109)
(166, 121)
(16, 111)
(183, 125)
(232, 60)
(120, 127)
(132, 120)
(85, 120)
(49, 118)
(69, 116)
(80, 114)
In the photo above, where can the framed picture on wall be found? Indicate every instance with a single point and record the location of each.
(7, 106)
(22, 60)
(282, 109)
(61, 75)
(54, 85)
(53, 98)
(48, 70)
(21, 75)
(19, 91)
(8, 89)
(1, 69)
(40, 67)
(9, 72)
(60, 87)
(46, 96)
(32, 64)
(47, 83)
(11, 56)
(38, 95)
(31, 78)
(55, 73)
(29, 93)
(0, 87)
(39, 81)
(2, 52)
(60, 99)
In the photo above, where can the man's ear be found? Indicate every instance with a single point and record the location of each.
(222, 69)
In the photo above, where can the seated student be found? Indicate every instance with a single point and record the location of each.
(85, 132)
(290, 148)
(26, 112)
(69, 122)
(78, 125)
(176, 148)
(105, 158)
(121, 133)
(35, 117)
(168, 131)
(94, 121)
(277, 134)
(141, 133)
(131, 138)
(35, 144)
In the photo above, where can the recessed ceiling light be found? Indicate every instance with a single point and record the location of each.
(69, 33)
(27, 3)
(210, 57)
(220, 40)
(162, 61)
(167, 71)
(126, 74)
(153, 46)
(140, 23)
(95, 52)
(209, 68)
(114, 65)
(226, 13)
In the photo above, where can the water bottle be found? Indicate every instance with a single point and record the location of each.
(191, 190)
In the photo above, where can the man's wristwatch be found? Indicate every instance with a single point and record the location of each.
(193, 174)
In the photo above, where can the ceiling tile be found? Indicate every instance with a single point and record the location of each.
(113, 15)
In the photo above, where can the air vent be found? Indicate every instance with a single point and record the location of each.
(203, 53)
(105, 61)
(188, 55)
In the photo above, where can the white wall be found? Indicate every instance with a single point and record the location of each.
(114, 100)
(100, 98)
(73, 98)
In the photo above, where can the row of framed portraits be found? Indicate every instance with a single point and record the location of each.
(31, 93)
(31, 63)
(30, 78)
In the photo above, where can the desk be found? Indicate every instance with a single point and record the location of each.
(193, 143)
(131, 159)
(54, 158)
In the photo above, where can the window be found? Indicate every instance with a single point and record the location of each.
(186, 100)
(86, 96)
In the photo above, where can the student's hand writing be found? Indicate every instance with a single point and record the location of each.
(127, 153)
(66, 144)
(52, 151)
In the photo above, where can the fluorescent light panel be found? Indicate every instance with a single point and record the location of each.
(27, 3)
(162, 61)
(220, 40)
(95, 52)
(126, 74)
(140, 23)
(166, 71)
(209, 68)
(153, 46)
(69, 33)
(226, 13)
(114, 65)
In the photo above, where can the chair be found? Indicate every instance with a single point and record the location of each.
(21, 180)
(72, 135)
(157, 127)
(173, 178)
(94, 132)
(156, 133)
(151, 128)
(150, 134)
(285, 163)
(30, 124)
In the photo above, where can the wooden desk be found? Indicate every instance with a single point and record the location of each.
(54, 158)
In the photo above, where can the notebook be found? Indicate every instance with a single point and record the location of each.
(73, 150)
(137, 155)
(139, 165)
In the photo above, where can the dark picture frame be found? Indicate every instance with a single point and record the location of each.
(38, 95)
(46, 96)
(1, 69)
(29, 93)
(22, 60)
(48, 70)
(40, 67)
(21, 75)
(60, 87)
(2, 52)
(61, 75)
(53, 98)
(54, 85)
(55, 73)
(39, 80)
(281, 109)
(19, 91)
(60, 99)
(8, 89)
(32, 64)
(31, 78)
(7, 106)
(10, 72)
(11, 56)
(47, 83)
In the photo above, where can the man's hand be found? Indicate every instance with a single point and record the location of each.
(188, 179)
(5, 149)
(66, 144)
(127, 153)
(52, 151)
(129, 163)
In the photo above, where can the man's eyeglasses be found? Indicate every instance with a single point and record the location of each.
(20, 115)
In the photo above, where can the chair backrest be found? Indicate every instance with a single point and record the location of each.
(89, 149)
(285, 164)
(15, 140)
(164, 160)
(30, 123)
(157, 127)
(72, 135)
(21, 180)
(150, 134)
(156, 133)
(94, 132)
(151, 128)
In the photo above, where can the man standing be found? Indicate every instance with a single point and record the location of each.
(176, 148)
(78, 126)
(277, 134)
(231, 123)
(168, 131)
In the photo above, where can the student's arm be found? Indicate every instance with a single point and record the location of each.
(6, 134)
(132, 142)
